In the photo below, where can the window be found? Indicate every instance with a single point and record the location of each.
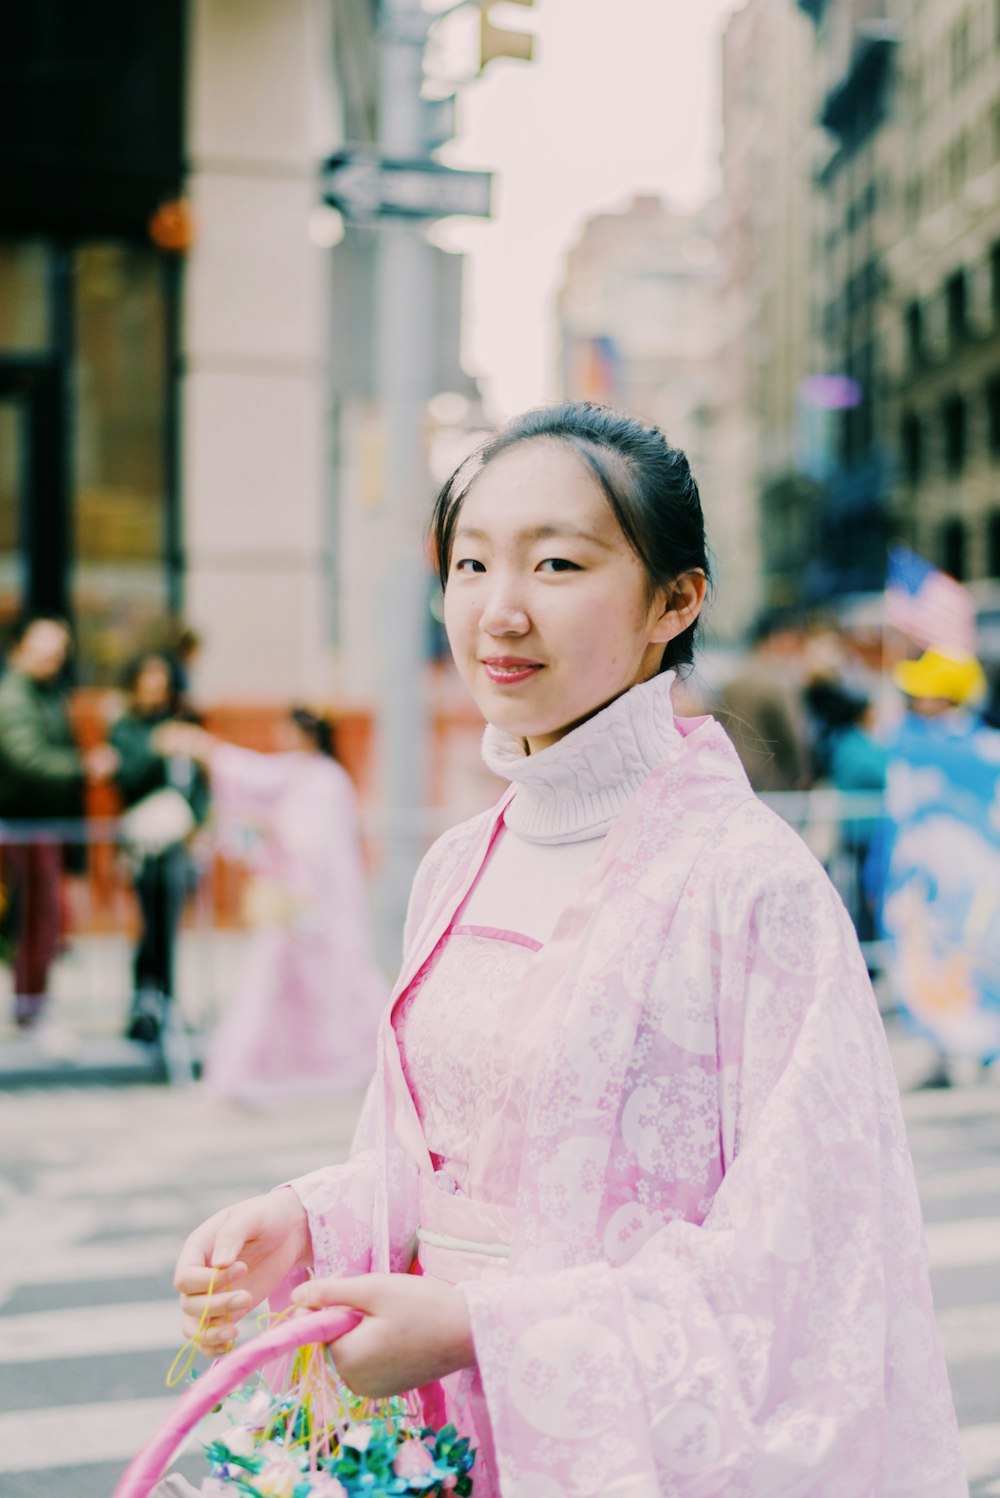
(953, 548)
(913, 199)
(911, 443)
(957, 301)
(993, 415)
(953, 420)
(914, 323)
(958, 164)
(961, 52)
(993, 543)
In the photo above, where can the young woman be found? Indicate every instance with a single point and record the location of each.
(630, 1199)
(305, 1011)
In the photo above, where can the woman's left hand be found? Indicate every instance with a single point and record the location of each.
(413, 1330)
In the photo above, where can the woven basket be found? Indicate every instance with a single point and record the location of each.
(149, 1465)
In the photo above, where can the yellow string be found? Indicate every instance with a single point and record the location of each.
(184, 1361)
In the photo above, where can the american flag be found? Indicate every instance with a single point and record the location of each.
(927, 605)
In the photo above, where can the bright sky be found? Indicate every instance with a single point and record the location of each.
(622, 97)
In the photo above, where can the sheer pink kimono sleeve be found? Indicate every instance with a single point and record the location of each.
(340, 1199)
(339, 1202)
(782, 1343)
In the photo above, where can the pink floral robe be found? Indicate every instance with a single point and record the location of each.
(690, 1148)
(309, 994)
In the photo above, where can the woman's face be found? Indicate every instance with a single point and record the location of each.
(547, 606)
(152, 686)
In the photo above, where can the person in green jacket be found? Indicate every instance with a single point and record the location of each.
(164, 799)
(42, 777)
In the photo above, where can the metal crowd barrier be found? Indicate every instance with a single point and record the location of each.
(839, 827)
(91, 981)
(92, 978)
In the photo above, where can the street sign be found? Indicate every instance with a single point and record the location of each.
(365, 186)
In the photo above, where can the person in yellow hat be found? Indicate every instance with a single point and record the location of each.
(941, 684)
(943, 691)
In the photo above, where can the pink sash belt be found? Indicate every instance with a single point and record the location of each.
(459, 1238)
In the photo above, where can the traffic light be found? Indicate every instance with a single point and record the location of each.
(500, 41)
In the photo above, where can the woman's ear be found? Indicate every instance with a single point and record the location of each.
(684, 599)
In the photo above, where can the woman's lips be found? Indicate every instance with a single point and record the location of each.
(508, 670)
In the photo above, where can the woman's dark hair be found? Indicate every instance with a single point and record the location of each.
(134, 668)
(648, 484)
(317, 728)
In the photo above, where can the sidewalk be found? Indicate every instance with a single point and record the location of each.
(82, 1043)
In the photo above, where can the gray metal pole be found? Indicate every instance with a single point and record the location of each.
(404, 334)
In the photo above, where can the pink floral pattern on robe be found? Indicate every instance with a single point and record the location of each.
(718, 1284)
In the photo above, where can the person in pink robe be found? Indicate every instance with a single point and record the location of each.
(305, 1010)
(630, 1199)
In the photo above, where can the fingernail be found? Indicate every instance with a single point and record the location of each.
(240, 1300)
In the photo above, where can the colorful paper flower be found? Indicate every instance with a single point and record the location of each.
(358, 1437)
(239, 1441)
(278, 1480)
(412, 1460)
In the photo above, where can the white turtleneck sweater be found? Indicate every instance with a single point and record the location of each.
(567, 797)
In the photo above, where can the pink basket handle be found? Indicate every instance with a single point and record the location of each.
(149, 1464)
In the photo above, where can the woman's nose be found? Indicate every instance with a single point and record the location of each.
(504, 612)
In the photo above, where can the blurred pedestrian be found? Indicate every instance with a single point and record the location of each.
(941, 907)
(164, 799)
(42, 777)
(944, 688)
(631, 1201)
(307, 1002)
(761, 707)
(850, 757)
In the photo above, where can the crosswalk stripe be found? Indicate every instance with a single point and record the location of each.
(955, 1102)
(32, 1440)
(981, 1450)
(978, 1181)
(970, 1333)
(102, 1261)
(89, 1331)
(957, 1245)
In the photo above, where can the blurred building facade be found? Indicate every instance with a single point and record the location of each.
(861, 252)
(186, 393)
(765, 431)
(640, 327)
(907, 295)
(943, 321)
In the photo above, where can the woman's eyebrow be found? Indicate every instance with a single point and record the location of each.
(536, 533)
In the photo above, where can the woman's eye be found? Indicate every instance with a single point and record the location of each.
(558, 564)
(468, 564)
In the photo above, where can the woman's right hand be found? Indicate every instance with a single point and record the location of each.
(250, 1248)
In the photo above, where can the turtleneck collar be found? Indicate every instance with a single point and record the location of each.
(573, 790)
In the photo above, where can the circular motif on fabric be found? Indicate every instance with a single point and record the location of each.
(793, 1465)
(658, 1341)
(686, 1014)
(561, 1373)
(670, 1125)
(641, 1124)
(628, 1228)
(686, 1437)
(575, 1168)
(749, 1338)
